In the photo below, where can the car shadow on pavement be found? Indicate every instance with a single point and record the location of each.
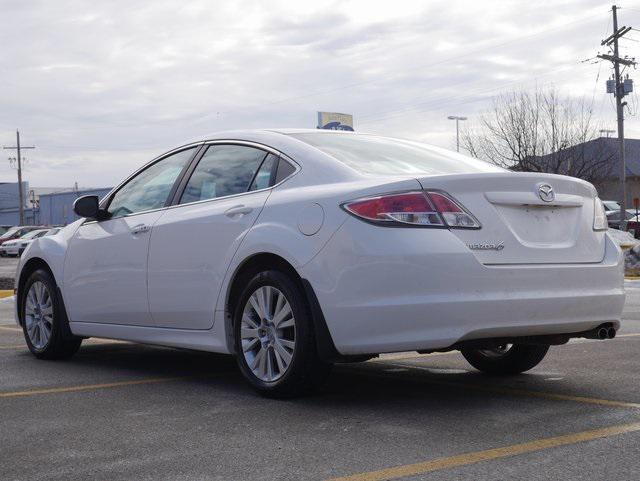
(350, 386)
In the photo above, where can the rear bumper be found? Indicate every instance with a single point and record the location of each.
(386, 290)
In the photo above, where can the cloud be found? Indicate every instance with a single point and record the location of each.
(102, 87)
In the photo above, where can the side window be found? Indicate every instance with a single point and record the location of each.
(223, 170)
(150, 188)
(266, 174)
(285, 169)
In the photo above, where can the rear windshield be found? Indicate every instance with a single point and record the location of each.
(370, 154)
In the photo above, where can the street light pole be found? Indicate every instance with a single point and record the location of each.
(457, 119)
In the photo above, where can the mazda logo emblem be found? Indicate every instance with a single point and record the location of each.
(545, 192)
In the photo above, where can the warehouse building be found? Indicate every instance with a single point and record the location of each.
(9, 204)
(57, 208)
(42, 206)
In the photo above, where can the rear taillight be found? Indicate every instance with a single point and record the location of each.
(599, 216)
(420, 209)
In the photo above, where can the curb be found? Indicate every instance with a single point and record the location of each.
(6, 293)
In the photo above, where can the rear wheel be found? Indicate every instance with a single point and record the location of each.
(44, 321)
(274, 337)
(506, 358)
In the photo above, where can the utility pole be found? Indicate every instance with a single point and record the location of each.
(619, 88)
(19, 148)
(457, 119)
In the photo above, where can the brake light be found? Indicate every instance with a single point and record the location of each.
(599, 216)
(420, 209)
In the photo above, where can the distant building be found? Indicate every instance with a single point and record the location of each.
(42, 206)
(609, 188)
(56, 208)
(604, 153)
(10, 202)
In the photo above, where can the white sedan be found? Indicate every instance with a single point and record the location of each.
(295, 249)
(17, 246)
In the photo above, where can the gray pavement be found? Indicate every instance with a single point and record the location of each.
(8, 266)
(125, 411)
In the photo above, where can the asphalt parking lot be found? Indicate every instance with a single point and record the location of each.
(125, 411)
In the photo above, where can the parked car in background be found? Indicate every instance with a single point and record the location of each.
(18, 231)
(613, 218)
(4, 228)
(633, 226)
(610, 205)
(16, 247)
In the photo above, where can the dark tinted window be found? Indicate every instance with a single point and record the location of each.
(263, 178)
(150, 188)
(370, 154)
(285, 169)
(223, 170)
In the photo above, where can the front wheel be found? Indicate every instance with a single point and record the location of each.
(274, 337)
(44, 321)
(506, 359)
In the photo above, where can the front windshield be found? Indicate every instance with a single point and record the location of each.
(32, 234)
(9, 233)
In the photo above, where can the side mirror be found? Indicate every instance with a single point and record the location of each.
(87, 206)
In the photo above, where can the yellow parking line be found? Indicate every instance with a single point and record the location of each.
(553, 396)
(489, 454)
(6, 293)
(10, 328)
(521, 392)
(14, 346)
(92, 387)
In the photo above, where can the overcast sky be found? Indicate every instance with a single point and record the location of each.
(102, 87)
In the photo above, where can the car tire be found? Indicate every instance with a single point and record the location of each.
(506, 360)
(277, 352)
(44, 320)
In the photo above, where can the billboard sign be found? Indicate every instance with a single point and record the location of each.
(335, 121)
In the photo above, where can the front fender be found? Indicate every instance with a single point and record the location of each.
(50, 249)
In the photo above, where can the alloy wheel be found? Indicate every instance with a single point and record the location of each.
(268, 333)
(38, 315)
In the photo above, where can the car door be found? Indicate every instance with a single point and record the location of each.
(105, 275)
(193, 243)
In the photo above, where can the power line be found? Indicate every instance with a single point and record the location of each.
(19, 148)
(619, 87)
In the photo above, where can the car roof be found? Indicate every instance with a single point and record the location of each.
(320, 165)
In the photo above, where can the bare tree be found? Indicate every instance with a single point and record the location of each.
(541, 132)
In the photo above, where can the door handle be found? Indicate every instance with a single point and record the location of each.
(140, 228)
(238, 211)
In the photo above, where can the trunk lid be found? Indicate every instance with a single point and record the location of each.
(522, 221)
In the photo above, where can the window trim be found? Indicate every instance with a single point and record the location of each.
(266, 148)
(106, 201)
(255, 174)
(185, 181)
(185, 175)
